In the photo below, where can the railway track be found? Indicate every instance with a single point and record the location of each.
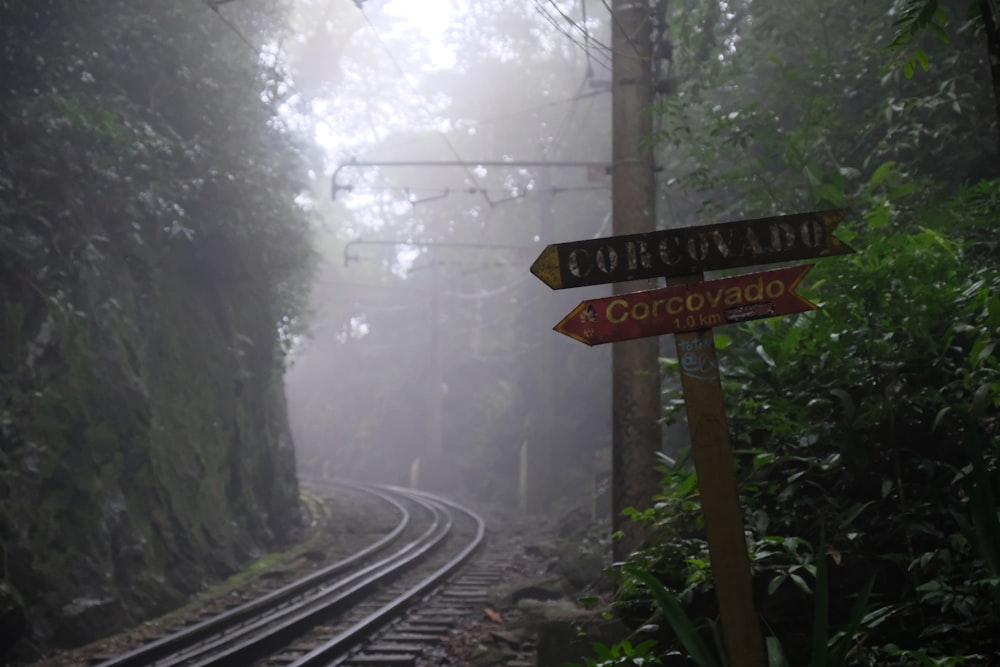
(419, 637)
(329, 616)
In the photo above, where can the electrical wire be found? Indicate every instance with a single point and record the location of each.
(214, 6)
(406, 192)
(281, 76)
(604, 62)
(587, 37)
(402, 192)
(500, 118)
(567, 100)
(557, 137)
(503, 289)
(423, 103)
(624, 32)
(286, 81)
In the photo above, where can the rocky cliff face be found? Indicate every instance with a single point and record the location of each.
(150, 254)
(144, 445)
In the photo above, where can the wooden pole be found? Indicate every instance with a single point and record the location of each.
(635, 376)
(522, 477)
(714, 463)
(546, 447)
(415, 473)
(435, 436)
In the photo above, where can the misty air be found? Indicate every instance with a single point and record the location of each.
(559, 333)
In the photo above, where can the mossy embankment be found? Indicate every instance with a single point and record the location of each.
(144, 445)
(152, 259)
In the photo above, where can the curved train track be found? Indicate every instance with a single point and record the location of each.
(373, 607)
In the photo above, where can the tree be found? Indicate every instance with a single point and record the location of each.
(152, 256)
(866, 429)
(493, 318)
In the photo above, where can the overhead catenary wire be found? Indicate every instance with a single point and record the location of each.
(336, 187)
(625, 33)
(557, 137)
(422, 102)
(463, 123)
(486, 294)
(408, 193)
(281, 76)
(214, 6)
(540, 8)
(431, 244)
(588, 38)
(522, 112)
(270, 57)
(584, 32)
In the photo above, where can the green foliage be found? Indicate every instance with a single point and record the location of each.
(153, 260)
(828, 650)
(875, 417)
(684, 628)
(840, 416)
(623, 653)
(905, 343)
(794, 550)
(921, 659)
(916, 16)
(509, 380)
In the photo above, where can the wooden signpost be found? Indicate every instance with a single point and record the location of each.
(689, 307)
(691, 250)
(690, 311)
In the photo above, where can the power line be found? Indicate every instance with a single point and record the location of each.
(575, 98)
(435, 244)
(214, 6)
(280, 76)
(503, 117)
(423, 103)
(558, 136)
(555, 24)
(624, 32)
(467, 164)
(587, 37)
(407, 193)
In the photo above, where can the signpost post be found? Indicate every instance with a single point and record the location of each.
(690, 311)
(720, 501)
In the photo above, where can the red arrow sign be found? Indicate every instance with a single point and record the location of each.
(690, 307)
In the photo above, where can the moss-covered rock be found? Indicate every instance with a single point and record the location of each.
(12, 617)
(150, 252)
(145, 454)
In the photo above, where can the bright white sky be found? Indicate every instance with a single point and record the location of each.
(431, 17)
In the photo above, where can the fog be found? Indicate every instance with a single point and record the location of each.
(430, 356)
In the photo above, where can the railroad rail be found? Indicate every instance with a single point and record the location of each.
(324, 618)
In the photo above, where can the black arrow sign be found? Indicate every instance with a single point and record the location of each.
(677, 252)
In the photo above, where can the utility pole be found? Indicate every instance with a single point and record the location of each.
(435, 436)
(546, 451)
(537, 458)
(635, 381)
